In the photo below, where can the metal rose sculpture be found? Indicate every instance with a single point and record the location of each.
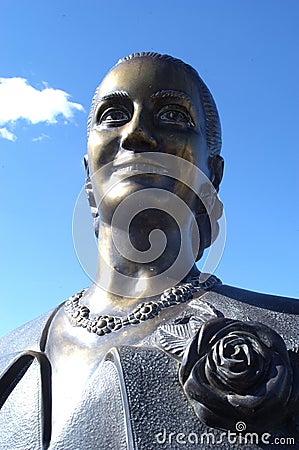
(234, 370)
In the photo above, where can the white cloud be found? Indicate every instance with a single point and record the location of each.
(40, 138)
(19, 100)
(5, 134)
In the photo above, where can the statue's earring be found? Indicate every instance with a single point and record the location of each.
(91, 198)
(216, 163)
(210, 208)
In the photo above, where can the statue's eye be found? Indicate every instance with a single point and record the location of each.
(175, 115)
(114, 117)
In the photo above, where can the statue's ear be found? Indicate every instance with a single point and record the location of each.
(217, 166)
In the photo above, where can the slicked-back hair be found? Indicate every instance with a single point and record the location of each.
(213, 127)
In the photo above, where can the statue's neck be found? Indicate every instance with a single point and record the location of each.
(140, 263)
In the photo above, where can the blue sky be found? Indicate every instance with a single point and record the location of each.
(247, 53)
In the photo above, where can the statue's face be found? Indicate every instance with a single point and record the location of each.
(145, 105)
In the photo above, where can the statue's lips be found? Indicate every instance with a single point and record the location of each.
(140, 168)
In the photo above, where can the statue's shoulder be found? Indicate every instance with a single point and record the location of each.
(25, 375)
(258, 299)
(30, 336)
(278, 313)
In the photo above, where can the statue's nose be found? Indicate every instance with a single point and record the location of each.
(138, 137)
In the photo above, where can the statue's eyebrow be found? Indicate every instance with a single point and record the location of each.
(170, 93)
(114, 94)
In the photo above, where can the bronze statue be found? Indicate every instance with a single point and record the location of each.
(154, 354)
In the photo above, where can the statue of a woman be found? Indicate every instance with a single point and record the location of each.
(154, 354)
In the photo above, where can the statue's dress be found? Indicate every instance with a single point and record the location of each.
(136, 399)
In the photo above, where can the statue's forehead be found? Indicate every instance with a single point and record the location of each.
(145, 76)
